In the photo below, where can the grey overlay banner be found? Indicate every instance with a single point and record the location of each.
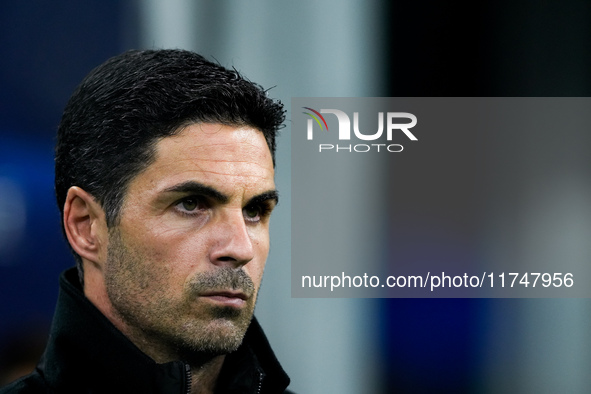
(441, 197)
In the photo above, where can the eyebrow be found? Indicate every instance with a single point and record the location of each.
(199, 188)
(219, 197)
(270, 195)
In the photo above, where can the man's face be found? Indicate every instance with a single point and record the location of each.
(185, 264)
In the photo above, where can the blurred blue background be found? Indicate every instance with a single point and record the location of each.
(306, 49)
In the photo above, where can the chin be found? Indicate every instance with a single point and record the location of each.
(219, 336)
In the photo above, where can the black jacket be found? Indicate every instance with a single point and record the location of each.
(87, 354)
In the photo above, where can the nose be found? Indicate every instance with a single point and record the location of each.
(232, 245)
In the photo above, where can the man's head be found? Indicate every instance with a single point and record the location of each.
(126, 105)
(164, 175)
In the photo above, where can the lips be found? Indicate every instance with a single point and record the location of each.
(226, 293)
(226, 297)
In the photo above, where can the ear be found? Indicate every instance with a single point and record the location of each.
(85, 226)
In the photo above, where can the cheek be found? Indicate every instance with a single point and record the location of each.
(170, 247)
(160, 261)
(151, 269)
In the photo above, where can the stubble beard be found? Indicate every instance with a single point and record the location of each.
(156, 320)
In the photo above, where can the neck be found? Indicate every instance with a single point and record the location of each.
(204, 376)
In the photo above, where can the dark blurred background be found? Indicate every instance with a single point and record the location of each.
(321, 48)
(502, 49)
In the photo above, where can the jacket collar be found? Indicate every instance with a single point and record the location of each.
(86, 352)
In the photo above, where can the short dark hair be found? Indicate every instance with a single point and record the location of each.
(122, 108)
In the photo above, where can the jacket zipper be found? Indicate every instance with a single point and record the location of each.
(189, 377)
(260, 386)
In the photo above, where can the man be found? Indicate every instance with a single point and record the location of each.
(165, 181)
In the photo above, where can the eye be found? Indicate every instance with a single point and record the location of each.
(258, 211)
(252, 213)
(190, 205)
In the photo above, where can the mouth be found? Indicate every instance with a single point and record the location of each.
(226, 298)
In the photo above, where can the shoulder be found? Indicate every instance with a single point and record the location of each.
(32, 384)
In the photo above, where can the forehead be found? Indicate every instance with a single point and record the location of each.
(217, 155)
